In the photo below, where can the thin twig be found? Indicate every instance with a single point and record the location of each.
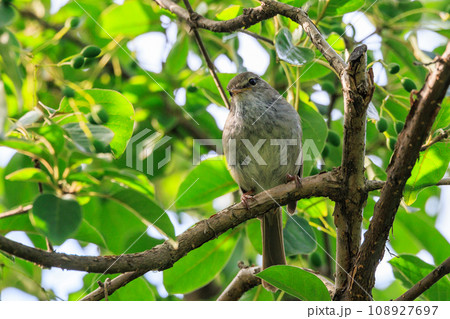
(252, 16)
(374, 185)
(425, 283)
(257, 36)
(442, 135)
(17, 211)
(202, 48)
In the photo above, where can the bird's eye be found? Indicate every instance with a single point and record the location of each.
(231, 94)
(252, 81)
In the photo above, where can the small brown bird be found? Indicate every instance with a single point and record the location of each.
(262, 141)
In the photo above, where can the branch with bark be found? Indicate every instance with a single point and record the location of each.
(165, 255)
(244, 281)
(417, 126)
(192, 22)
(428, 281)
(268, 9)
(357, 87)
(346, 185)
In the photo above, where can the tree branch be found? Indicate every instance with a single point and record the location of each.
(17, 211)
(113, 285)
(267, 10)
(165, 255)
(357, 87)
(192, 22)
(441, 136)
(257, 36)
(418, 123)
(425, 283)
(244, 281)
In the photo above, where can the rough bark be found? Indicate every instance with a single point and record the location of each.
(357, 86)
(417, 126)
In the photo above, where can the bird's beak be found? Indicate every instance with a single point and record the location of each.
(235, 91)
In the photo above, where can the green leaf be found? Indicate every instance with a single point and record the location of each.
(119, 109)
(314, 207)
(205, 182)
(111, 218)
(28, 148)
(9, 62)
(336, 41)
(146, 209)
(312, 71)
(399, 111)
(130, 178)
(340, 7)
(201, 265)
(296, 282)
(299, 237)
(129, 19)
(443, 117)
(177, 58)
(315, 133)
(99, 133)
(29, 174)
(405, 6)
(253, 230)
(416, 231)
(87, 233)
(137, 290)
(17, 193)
(411, 269)
(396, 50)
(257, 293)
(429, 170)
(54, 135)
(286, 50)
(57, 218)
(228, 13)
(7, 14)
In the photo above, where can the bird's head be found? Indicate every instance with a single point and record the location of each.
(246, 83)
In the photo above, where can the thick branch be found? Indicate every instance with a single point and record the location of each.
(418, 123)
(357, 86)
(244, 281)
(428, 281)
(267, 10)
(165, 255)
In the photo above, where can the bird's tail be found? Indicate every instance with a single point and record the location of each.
(272, 240)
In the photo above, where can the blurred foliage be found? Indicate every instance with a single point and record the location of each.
(112, 144)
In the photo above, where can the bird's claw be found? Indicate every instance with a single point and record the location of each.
(295, 178)
(247, 196)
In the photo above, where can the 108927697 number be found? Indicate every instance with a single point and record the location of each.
(402, 310)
